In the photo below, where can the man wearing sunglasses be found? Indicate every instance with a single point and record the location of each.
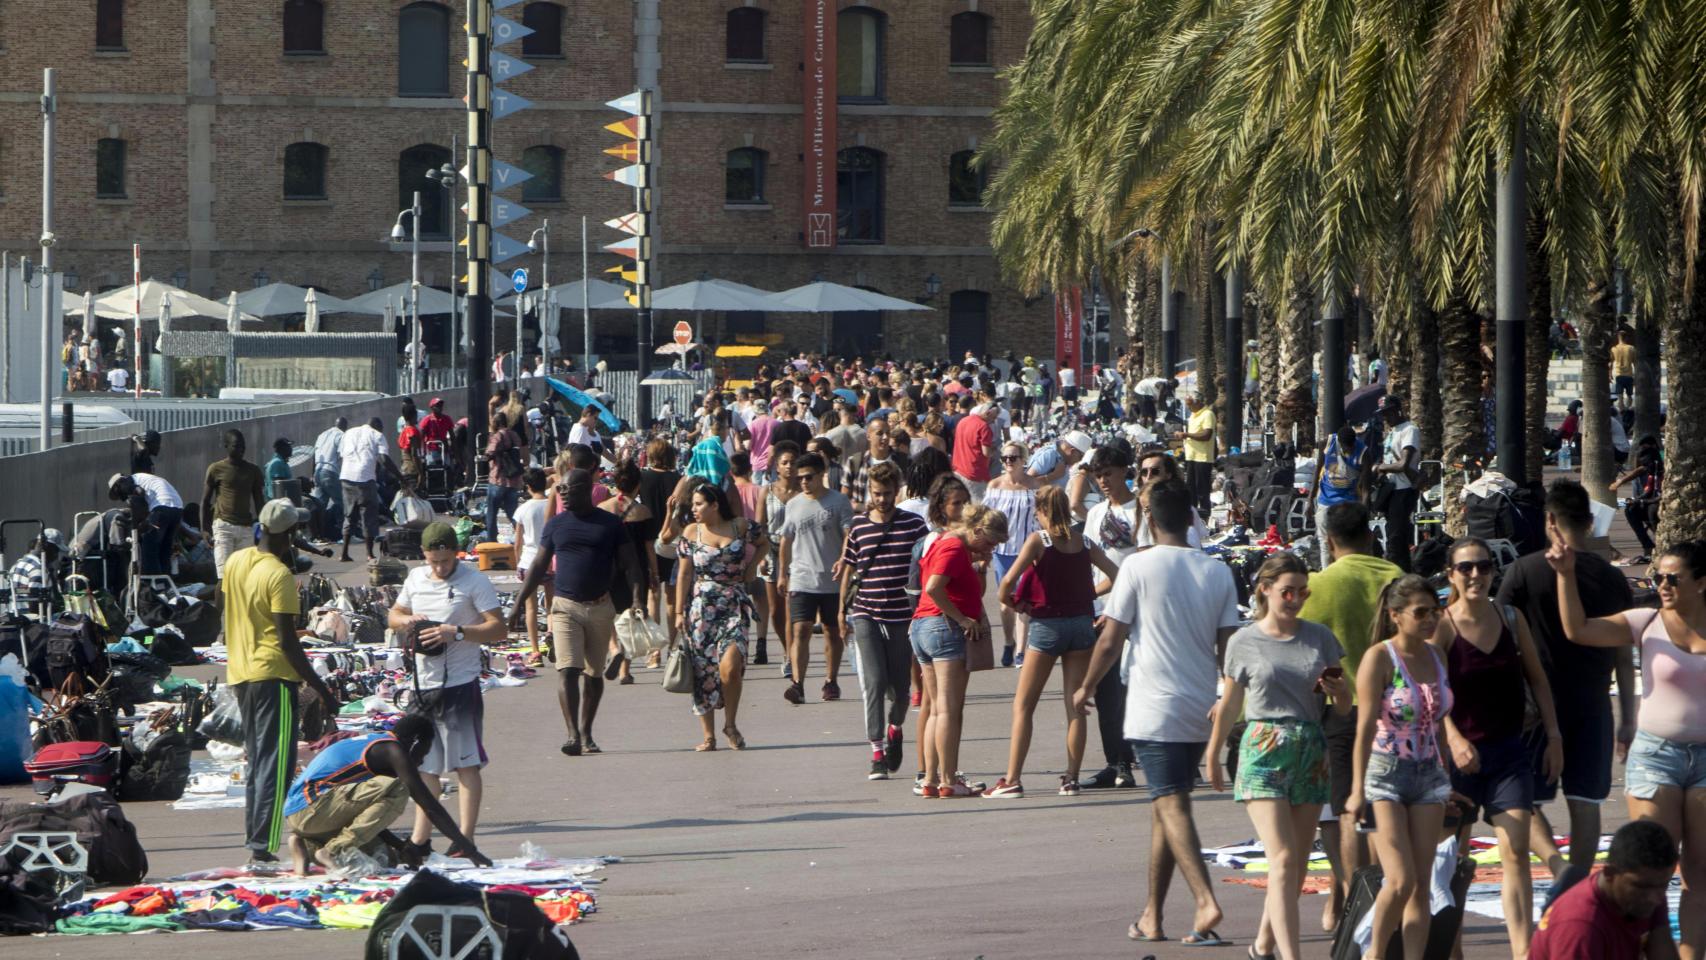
(1112, 525)
(814, 527)
(1580, 676)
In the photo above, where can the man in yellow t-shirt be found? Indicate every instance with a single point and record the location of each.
(267, 666)
(1199, 451)
(1623, 368)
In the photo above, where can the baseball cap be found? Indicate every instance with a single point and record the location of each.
(1079, 440)
(436, 402)
(112, 481)
(279, 516)
(439, 535)
(53, 536)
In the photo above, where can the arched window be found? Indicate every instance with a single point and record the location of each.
(109, 168)
(304, 26)
(109, 24)
(859, 196)
(968, 322)
(546, 165)
(423, 50)
(746, 35)
(546, 22)
(412, 167)
(966, 180)
(305, 172)
(743, 181)
(859, 55)
(968, 40)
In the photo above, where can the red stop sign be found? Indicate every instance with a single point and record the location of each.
(683, 333)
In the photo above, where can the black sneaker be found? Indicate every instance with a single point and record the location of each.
(1125, 778)
(892, 748)
(879, 770)
(1104, 779)
(262, 856)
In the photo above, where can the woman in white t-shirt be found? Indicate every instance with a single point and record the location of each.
(529, 534)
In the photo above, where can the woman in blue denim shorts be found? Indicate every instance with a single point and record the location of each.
(1278, 670)
(1397, 767)
(1665, 776)
(1054, 564)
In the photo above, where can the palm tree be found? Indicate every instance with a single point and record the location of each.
(1598, 321)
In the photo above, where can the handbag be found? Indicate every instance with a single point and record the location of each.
(638, 637)
(678, 669)
(1028, 591)
(980, 651)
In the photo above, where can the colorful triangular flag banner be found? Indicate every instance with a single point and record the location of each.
(505, 30)
(507, 211)
(629, 248)
(505, 103)
(503, 248)
(506, 175)
(633, 175)
(505, 67)
(633, 103)
(632, 224)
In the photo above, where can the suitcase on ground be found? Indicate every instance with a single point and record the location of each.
(116, 856)
(384, 570)
(404, 543)
(496, 556)
(77, 761)
(1442, 933)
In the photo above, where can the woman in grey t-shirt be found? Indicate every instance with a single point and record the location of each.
(1279, 672)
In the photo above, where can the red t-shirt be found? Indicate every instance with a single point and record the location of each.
(1584, 925)
(972, 440)
(435, 428)
(949, 557)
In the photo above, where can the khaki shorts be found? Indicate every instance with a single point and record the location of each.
(581, 632)
(228, 538)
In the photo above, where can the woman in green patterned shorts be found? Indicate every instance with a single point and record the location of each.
(1279, 670)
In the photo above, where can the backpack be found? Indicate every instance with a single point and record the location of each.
(510, 465)
(523, 930)
(68, 646)
(914, 587)
(158, 771)
(116, 856)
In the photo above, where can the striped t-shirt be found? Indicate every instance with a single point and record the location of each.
(883, 559)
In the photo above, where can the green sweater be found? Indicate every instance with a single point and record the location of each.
(1343, 598)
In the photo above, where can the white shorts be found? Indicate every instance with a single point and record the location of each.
(228, 538)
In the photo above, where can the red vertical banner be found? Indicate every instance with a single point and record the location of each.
(1068, 329)
(819, 126)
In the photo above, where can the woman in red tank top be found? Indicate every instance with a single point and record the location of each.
(1060, 592)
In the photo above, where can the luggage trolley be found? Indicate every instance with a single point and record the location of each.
(435, 475)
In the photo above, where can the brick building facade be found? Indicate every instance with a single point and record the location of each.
(245, 141)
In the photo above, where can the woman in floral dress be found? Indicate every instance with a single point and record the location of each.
(713, 609)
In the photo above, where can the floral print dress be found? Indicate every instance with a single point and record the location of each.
(720, 612)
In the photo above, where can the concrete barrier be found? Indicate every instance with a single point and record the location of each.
(54, 486)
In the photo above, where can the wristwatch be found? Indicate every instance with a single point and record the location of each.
(458, 634)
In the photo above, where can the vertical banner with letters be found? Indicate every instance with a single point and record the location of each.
(818, 96)
(1069, 330)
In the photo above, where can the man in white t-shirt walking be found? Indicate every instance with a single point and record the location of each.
(1179, 606)
(1396, 493)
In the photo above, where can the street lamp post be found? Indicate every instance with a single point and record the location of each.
(540, 242)
(447, 177)
(413, 353)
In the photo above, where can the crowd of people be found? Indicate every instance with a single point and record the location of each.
(910, 509)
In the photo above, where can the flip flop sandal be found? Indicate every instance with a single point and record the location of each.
(1202, 938)
(1134, 933)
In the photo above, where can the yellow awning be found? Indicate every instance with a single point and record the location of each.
(735, 350)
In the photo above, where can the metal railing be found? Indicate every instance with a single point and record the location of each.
(437, 378)
(165, 414)
(624, 386)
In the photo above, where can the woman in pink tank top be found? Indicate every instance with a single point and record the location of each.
(1665, 777)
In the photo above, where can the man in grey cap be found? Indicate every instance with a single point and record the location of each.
(267, 668)
(37, 568)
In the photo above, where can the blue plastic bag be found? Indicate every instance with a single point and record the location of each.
(14, 731)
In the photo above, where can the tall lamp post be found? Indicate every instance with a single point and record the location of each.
(413, 353)
(447, 177)
(539, 242)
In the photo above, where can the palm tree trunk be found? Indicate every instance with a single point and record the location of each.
(1425, 386)
(1212, 295)
(1647, 381)
(1538, 354)
(1131, 317)
(1463, 433)
(1598, 322)
(1269, 366)
(1152, 322)
(1394, 328)
(1682, 508)
(1297, 362)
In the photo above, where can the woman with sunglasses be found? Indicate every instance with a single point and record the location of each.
(1398, 768)
(1060, 600)
(948, 619)
(1278, 671)
(1665, 777)
(1014, 494)
(1489, 654)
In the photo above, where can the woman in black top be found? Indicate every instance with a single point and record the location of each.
(657, 483)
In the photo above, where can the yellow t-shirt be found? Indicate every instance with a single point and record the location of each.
(257, 585)
(1623, 360)
(1200, 451)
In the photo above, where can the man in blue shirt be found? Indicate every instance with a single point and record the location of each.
(1338, 471)
(1053, 463)
(351, 792)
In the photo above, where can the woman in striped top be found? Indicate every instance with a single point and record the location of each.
(875, 564)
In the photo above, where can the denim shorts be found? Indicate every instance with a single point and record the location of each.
(937, 638)
(1656, 762)
(1059, 636)
(1283, 759)
(1168, 767)
(1505, 780)
(1409, 782)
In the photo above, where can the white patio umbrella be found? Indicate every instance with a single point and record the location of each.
(288, 299)
(432, 301)
(701, 295)
(233, 317)
(120, 304)
(599, 292)
(165, 321)
(311, 311)
(823, 297)
(88, 311)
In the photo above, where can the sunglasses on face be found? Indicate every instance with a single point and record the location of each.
(806, 476)
(1667, 579)
(1151, 471)
(1473, 567)
(1288, 594)
(1010, 458)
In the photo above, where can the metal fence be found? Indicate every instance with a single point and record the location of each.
(164, 415)
(683, 398)
(438, 378)
(15, 446)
